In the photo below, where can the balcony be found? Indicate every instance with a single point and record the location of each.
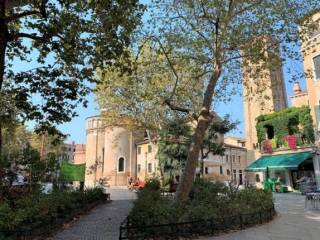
(289, 130)
(291, 143)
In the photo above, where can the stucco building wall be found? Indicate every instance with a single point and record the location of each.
(110, 153)
(310, 50)
(147, 161)
(80, 154)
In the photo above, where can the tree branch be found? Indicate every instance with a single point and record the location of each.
(22, 14)
(175, 108)
(193, 27)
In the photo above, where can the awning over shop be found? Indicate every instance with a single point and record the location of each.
(289, 161)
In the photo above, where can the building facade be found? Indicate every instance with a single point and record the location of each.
(299, 98)
(80, 154)
(147, 161)
(69, 151)
(268, 83)
(110, 153)
(311, 61)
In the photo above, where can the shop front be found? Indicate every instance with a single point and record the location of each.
(283, 172)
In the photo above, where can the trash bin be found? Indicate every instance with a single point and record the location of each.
(283, 188)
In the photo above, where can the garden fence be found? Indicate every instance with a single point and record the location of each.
(200, 227)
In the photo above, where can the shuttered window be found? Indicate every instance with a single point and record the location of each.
(316, 62)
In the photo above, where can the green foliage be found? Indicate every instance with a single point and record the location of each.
(206, 200)
(213, 141)
(72, 172)
(60, 44)
(153, 183)
(40, 212)
(173, 146)
(295, 120)
(141, 95)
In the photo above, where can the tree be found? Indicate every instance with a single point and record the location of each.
(64, 42)
(141, 94)
(22, 148)
(213, 141)
(175, 139)
(223, 37)
(173, 145)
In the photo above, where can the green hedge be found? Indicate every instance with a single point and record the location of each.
(42, 212)
(207, 200)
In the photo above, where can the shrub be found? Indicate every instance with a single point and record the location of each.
(207, 200)
(153, 183)
(41, 211)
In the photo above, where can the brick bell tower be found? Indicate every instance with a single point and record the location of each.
(263, 92)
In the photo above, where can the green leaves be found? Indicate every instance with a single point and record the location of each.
(62, 38)
(141, 94)
(297, 120)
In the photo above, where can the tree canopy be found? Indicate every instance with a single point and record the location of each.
(223, 39)
(143, 93)
(59, 45)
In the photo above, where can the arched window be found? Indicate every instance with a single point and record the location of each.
(121, 164)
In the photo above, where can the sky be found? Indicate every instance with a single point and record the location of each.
(76, 128)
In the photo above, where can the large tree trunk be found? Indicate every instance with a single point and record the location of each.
(3, 45)
(3, 40)
(204, 120)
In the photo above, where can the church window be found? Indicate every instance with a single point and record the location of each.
(149, 148)
(121, 164)
(149, 167)
(138, 168)
(139, 150)
(228, 172)
(316, 62)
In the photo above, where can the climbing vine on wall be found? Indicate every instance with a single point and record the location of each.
(295, 120)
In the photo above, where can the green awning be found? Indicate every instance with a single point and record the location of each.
(289, 161)
(72, 172)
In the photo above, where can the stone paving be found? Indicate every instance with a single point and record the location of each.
(293, 222)
(102, 223)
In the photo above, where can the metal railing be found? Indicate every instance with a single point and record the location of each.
(201, 227)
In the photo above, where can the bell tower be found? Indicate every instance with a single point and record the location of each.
(264, 92)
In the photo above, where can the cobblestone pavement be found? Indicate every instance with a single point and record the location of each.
(293, 222)
(102, 223)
